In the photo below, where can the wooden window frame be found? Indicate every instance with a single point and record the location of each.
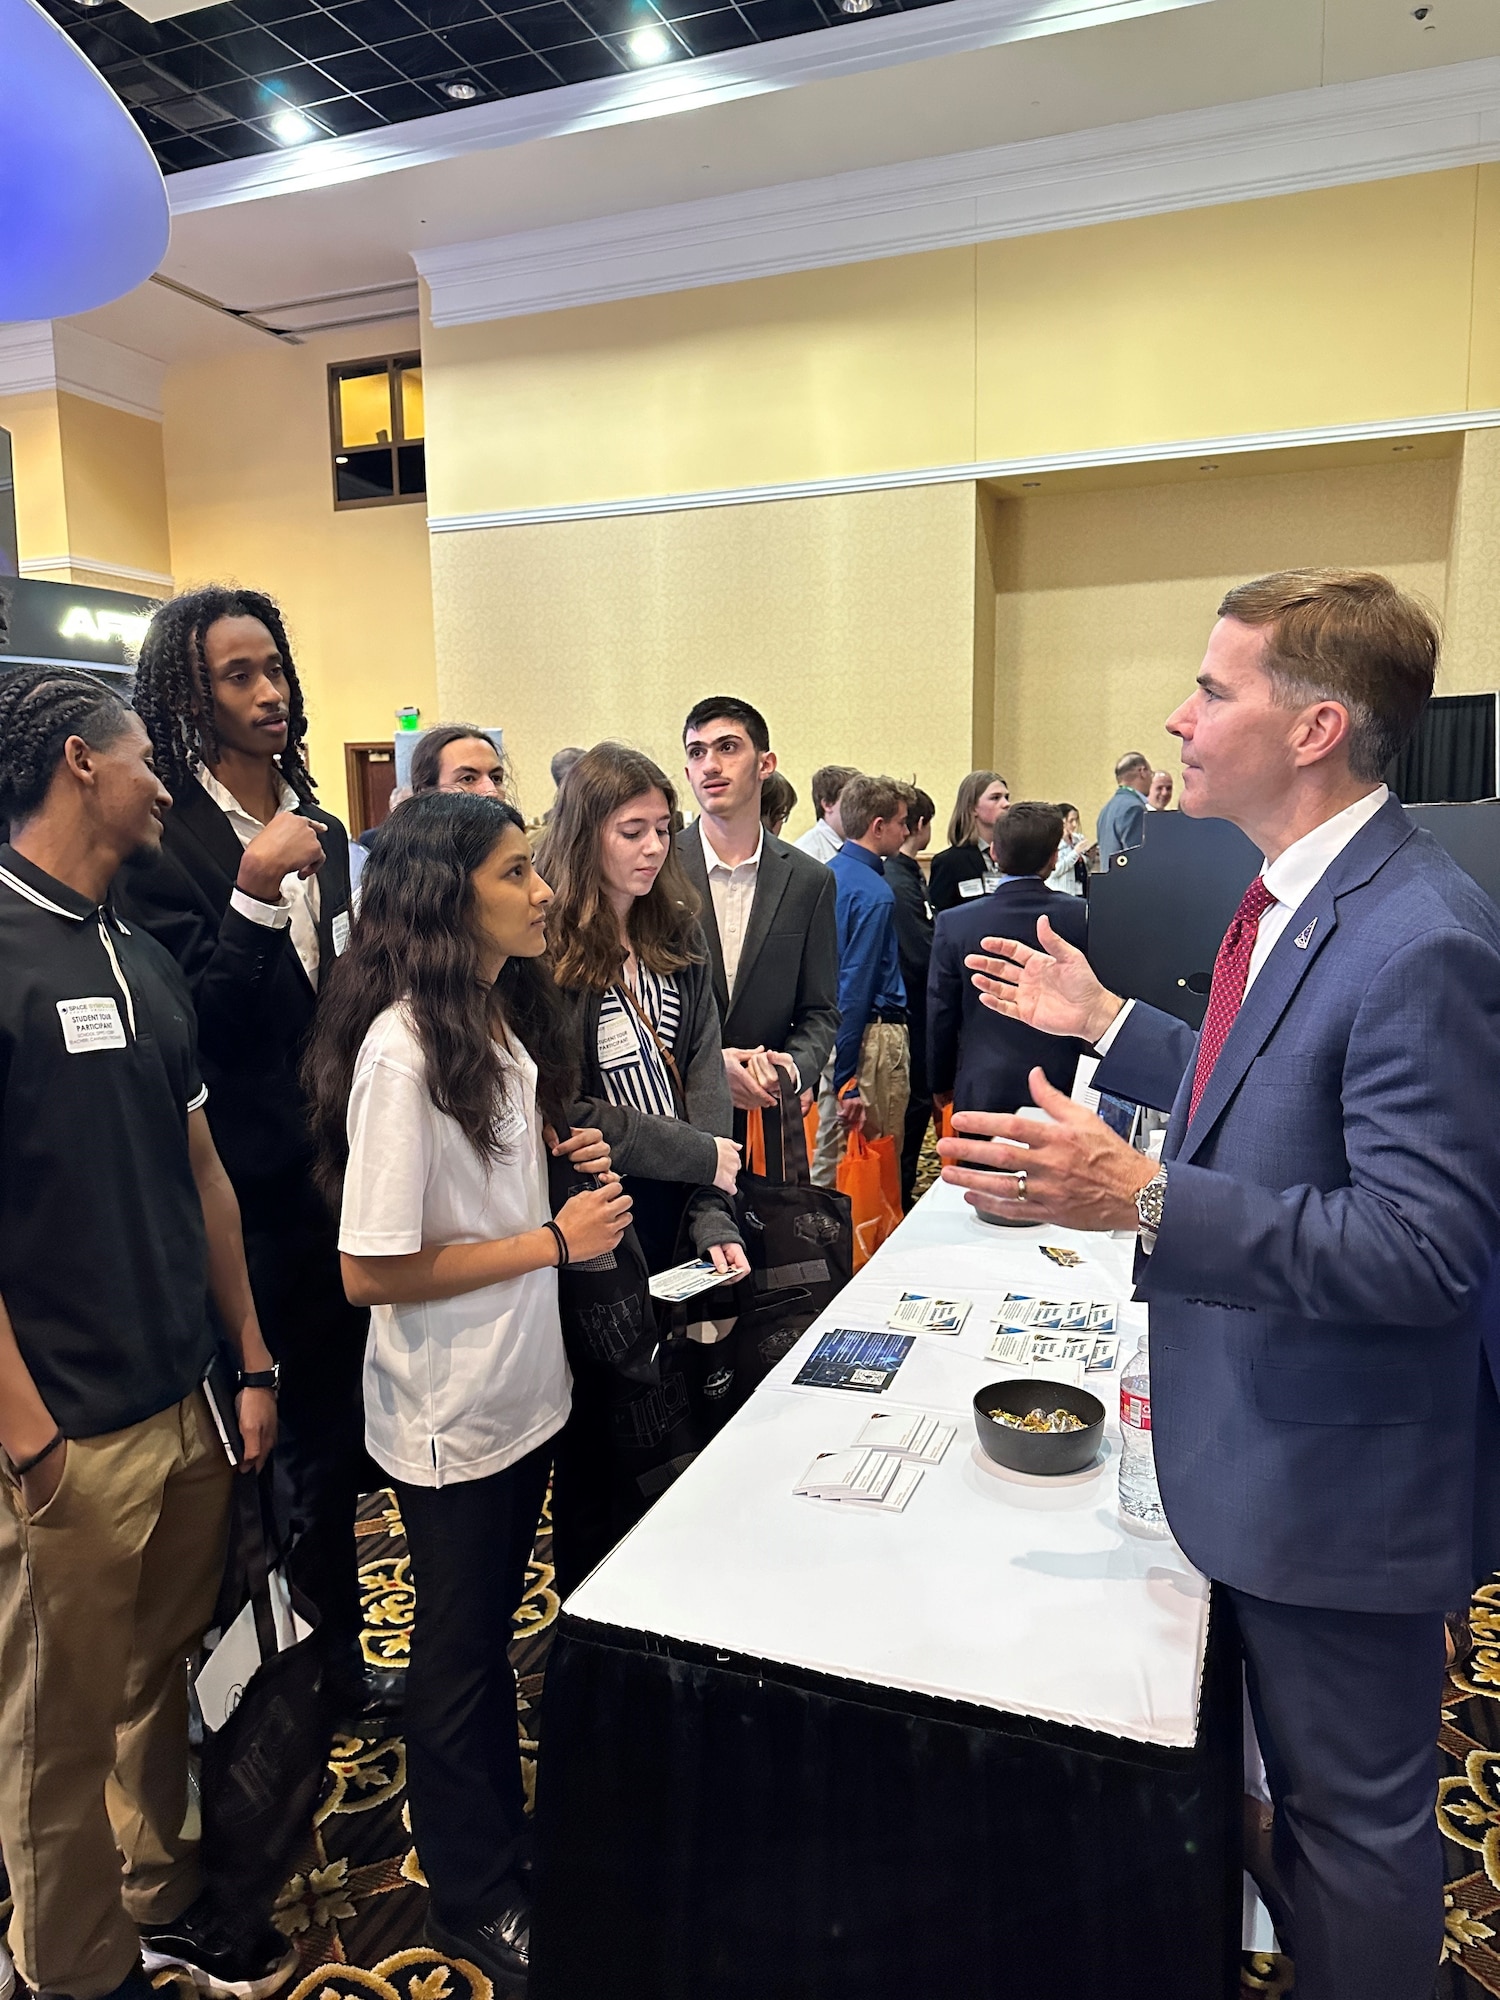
(393, 364)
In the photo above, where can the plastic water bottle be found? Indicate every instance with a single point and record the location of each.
(1140, 1502)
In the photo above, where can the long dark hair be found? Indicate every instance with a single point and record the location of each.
(582, 932)
(414, 940)
(174, 694)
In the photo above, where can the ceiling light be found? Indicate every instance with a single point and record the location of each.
(290, 128)
(90, 3)
(648, 45)
(856, 6)
(460, 91)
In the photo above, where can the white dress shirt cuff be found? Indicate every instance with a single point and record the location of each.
(1107, 1040)
(275, 916)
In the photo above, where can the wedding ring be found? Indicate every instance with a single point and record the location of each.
(1020, 1180)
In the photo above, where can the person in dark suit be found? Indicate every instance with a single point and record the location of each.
(1122, 817)
(767, 912)
(964, 869)
(250, 894)
(977, 1059)
(914, 948)
(1315, 1246)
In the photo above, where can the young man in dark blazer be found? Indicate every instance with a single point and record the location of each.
(768, 912)
(1315, 1246)
(250, 894)
(975, 1058)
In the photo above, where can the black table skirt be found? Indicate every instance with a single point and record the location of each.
(716, 1828)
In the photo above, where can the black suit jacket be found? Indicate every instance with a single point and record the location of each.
(786, 990)
(914, 948)
(950, 867)
(981, 1057)
(254, 1001)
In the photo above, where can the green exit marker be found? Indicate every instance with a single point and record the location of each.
(408, 718)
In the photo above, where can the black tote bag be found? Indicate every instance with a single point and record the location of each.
(799, 1240)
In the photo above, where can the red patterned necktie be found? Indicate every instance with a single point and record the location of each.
(1231, 969)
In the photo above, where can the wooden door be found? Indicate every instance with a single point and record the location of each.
(370, 769)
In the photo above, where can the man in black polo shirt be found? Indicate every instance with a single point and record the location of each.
(116, 1223)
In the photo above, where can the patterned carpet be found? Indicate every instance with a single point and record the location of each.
(355, 1906)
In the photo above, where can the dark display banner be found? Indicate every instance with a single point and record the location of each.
(47, 624)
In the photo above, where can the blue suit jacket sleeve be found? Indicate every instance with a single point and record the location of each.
(1409, 1241)
(1148, 1058)
(861, 935)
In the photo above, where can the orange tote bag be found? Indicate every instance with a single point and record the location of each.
(863, 1175)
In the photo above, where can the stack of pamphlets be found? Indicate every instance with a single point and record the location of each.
(918, 1439)
(870, 1479)
(923, 1312)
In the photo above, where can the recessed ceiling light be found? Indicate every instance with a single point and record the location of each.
(290, 128)
(856, 6)
(460, 91)
(648, 45)
(90, 3)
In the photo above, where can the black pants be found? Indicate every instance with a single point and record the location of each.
(320, 1466)
(469, 1544)
(1346, 1707)
(918, 1105)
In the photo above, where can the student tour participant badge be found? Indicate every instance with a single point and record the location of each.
(90, 1024)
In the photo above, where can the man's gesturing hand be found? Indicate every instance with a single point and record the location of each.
(1053, 989)
(1078, 1172)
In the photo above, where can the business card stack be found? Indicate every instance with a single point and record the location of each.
(879, 1481)
(1066, 1339)
(907, 1434)
(924, 1312)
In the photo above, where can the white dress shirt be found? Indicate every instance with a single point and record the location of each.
(733, 891)
(820, 841)
(299, 900)
(1291, 879)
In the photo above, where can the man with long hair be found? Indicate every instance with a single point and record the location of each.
(250, 894)
(117, 1225)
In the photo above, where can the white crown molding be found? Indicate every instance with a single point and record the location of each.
(954, 28)
(37, 565)
(39, 354)
(994, 468)
(1371, 130)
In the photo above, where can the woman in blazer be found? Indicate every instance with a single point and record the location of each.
(965, 869)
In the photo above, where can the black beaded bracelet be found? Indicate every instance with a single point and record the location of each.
(30, 1464)
(562, 1245)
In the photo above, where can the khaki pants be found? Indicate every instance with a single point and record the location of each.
(103, 1593)
(884, 1077)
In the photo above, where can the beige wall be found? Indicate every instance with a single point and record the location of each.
(90, 491)
(1105, 598)
(849, 620)
(249, 487)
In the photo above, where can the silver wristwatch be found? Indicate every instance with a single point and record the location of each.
(1148, 1206)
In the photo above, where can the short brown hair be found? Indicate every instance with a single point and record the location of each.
(1027, 837)
(828, 783)
(583, 938)
(1351, 636)
(865, 800)
(778, 799)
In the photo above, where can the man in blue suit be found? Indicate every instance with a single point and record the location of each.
(1122, 817)
(975, 1057)
(1316, 1245)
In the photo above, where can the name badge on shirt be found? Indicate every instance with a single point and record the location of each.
(973, 887)
(340, 929)
(617, 1041)
(90, 1024)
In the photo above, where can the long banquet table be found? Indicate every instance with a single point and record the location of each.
(985, 1746)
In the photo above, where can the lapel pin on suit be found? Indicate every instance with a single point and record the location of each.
(1304, 937)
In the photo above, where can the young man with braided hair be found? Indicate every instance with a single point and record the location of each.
(250, 894)
(116, 1223)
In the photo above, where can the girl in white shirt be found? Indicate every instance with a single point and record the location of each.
(438, 1036)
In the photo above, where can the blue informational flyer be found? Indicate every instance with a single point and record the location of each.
(847, 1359)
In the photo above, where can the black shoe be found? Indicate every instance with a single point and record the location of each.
(500, 1946)
(224, 1962)
(364, 1693)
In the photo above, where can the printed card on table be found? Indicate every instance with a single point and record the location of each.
(845, 1358)
(924, 1312)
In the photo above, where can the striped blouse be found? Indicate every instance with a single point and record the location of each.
(633, 1069)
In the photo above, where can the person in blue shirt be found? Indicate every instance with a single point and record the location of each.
(871, 1076)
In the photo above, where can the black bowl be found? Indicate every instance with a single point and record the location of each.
(1046, 1452)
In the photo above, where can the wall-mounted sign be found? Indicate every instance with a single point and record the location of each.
(66, 623)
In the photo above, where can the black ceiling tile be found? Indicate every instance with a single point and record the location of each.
(421, 56)
(675, 48)
(271, 13)
(548, 27)
(519, 75)
(581, 62)
(375, 21)
(402, 101)
(253, 50)
(485, 41)
(194, 114)
(316, 35)
(61, 11)
(207, 22)
(177, 155)
(618, 17)
(706, 34)
(347, 114)
(143, 38)
(245, 98)
(360, 70)
(241, 141)
(301, 83)
(195, 68)
(138, 83)
(101, 49)
(440, 15)
(155, 128)
(773, 18)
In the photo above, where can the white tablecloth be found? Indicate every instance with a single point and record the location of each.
(1012, 1593)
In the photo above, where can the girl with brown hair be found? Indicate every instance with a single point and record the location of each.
(965, 868)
